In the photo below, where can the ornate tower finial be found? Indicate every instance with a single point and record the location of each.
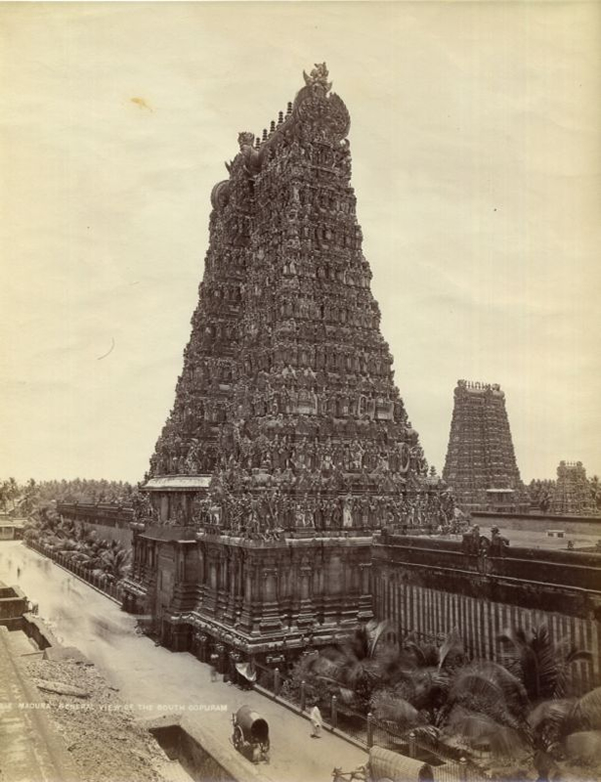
(318, 77)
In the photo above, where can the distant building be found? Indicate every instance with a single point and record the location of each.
(480, 467)
(572, 491)
(10, 528)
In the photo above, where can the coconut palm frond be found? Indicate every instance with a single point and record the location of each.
(506, 743)
(358, 644)
(564, 664)
(550, 718)
(361, 670)
(514, 691)
(424, 654)
(325, 668)
(451, 649)
(484, 689)
(586, 712)
(469, 725)
(416, 651)
(375, 631)
(477, 728)
(328, 652)
(577, 655)
(532, 652)
(346, 696)
(426, 734)
(388, 707)
(475, 685)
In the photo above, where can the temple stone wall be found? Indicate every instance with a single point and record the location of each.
(107, 521)
(432, 586)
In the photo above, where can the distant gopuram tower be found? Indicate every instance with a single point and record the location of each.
(480, 467)
(572, 491)
(288, 443)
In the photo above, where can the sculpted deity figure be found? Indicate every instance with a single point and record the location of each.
(318, 77)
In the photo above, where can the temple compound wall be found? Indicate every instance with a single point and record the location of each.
(288, 444)
(480, 466)
(109, 521)
(432, 586)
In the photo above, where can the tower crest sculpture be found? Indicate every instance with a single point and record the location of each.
(318, 77)
(288, 445)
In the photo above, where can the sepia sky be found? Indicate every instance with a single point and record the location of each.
(476, 150)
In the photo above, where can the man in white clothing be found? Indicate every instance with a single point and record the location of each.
(316, 721)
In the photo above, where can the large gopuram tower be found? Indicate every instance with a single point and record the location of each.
(480, 467)
(288, 444)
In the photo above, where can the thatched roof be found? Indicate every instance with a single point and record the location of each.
(385, 764)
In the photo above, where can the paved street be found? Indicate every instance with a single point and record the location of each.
(155, 681)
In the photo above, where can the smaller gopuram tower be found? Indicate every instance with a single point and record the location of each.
(572, 491)
(480, 467)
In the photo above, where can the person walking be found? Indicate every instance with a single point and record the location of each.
(214, 658)
(316, 722)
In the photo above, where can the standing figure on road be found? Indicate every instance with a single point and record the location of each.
(214, 658)
(316, 721)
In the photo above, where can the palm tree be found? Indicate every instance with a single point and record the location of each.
(355, 665)
(488, 705)
(415, 685)
(436, 693)
(116, 560)
(9, 493)
(595, 487)
(568, 729)
(542, 665)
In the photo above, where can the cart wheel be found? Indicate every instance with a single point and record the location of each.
(238, 738)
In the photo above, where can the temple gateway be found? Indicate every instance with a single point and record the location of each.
(288, 444)
(481, 468)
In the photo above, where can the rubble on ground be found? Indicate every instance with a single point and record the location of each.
(100, 731)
